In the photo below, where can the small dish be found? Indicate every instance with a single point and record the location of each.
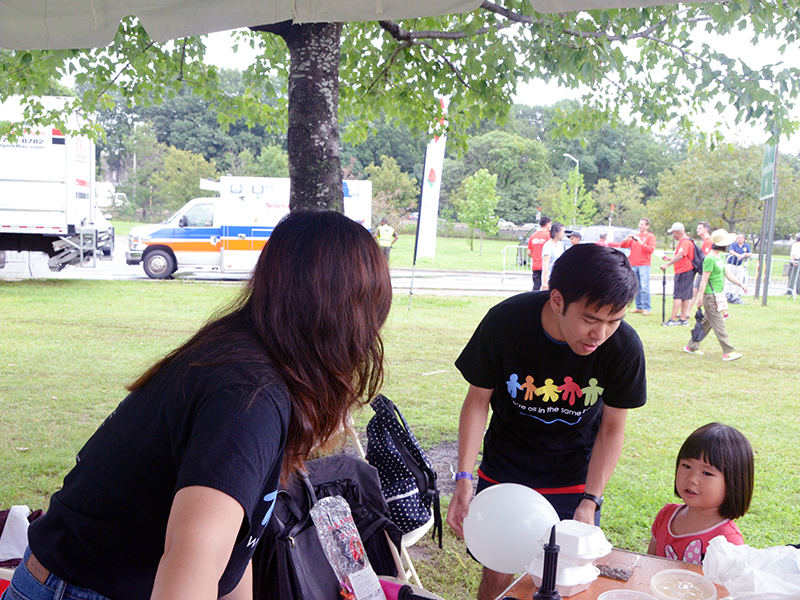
(679, 584)
(624, 595)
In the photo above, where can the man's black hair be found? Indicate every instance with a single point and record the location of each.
(544, 221)
(600, 275)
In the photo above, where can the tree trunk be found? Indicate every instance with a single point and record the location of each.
(313, 135)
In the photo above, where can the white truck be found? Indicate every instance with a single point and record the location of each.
(227, 233)
(47, 201)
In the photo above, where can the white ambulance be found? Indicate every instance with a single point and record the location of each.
(227, 233)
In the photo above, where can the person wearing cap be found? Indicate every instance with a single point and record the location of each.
(575, 237)
(682, 291)
(642, 245)
(714, 275)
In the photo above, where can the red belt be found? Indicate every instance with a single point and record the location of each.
(572, 489)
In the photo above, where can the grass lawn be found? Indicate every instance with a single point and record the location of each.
(68, 347)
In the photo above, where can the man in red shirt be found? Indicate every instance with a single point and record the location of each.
(704, 232)
(642, 245)
(684, 275)
(535, 243)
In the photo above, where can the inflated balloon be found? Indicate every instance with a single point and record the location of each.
(504, 524)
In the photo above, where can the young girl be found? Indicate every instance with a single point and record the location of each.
(714, 478)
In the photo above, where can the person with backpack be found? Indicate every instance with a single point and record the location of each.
(683, 263)
(171, 495)
(560, 369)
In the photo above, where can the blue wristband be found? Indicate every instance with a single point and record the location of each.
(464, 475)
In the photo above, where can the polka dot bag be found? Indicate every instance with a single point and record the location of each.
(407, 476)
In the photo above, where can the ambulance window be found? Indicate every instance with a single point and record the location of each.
(200, 215)
(258, 189)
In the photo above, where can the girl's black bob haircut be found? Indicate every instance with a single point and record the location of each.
(727, 450)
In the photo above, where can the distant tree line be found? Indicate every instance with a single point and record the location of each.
(156, 155)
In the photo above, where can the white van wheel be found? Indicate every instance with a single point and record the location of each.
(159, 264)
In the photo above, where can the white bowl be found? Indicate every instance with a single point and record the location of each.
(580, 542)
(624, 595)
(679, 584)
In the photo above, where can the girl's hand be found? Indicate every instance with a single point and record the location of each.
(744, 288)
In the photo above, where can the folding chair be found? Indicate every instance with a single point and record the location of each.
(405, 567)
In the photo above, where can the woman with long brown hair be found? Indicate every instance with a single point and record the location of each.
(172, 493)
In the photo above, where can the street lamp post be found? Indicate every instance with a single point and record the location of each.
(575, 202)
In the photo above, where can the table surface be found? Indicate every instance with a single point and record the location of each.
(642, 566)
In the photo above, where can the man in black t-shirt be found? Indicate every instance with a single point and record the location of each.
(560, 369)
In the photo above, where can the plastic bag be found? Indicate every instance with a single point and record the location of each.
(766, 574)
(344, 550)
(14, 536)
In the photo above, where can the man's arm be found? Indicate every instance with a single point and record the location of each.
(677, 256)
(648, 244)
(605, 455)
(545, 270)
(471, 427)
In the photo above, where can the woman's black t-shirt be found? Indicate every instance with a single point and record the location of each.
(219, 426)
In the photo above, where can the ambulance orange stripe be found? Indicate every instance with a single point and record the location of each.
(188, 246)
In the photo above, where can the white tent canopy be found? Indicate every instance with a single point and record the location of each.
(54, 24)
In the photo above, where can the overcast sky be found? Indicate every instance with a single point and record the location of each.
(538, 93)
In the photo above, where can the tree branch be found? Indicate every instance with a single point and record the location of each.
(183, 60)
(453, 68)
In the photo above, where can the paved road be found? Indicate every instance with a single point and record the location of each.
(404, 281)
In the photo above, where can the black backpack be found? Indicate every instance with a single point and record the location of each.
(407, 476)
(289, 562)
(699, 257)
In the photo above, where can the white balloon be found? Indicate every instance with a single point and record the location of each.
(504, 524)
